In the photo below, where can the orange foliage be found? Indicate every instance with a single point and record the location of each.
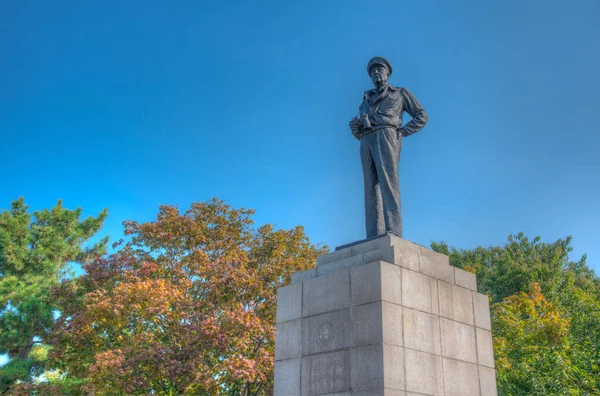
(186, 307)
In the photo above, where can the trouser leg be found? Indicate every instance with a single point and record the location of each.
(374, 221)
(386, 157)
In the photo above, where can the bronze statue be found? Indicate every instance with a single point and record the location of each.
(379, 129)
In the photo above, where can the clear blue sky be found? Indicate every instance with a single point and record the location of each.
(131, 104)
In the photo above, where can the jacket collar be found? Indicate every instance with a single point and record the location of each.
(373, 91)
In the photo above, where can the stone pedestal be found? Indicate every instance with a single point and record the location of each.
(383, 317)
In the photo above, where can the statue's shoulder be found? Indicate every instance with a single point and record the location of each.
(398, 90)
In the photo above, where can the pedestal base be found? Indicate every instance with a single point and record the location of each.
(383, 317)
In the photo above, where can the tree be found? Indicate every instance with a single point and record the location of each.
(530, 344)
(186, 307)
(545, 314)
(34, 253)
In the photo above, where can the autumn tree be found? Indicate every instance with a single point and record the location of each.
(35, 250)
(545, 314)
(187, 306)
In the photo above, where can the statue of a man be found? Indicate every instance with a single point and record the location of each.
(379, 129)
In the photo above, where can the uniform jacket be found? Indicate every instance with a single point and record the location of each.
(385, 109)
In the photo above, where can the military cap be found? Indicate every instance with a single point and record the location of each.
(378, 60)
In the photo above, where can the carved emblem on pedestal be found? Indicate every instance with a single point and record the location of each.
(324, 334)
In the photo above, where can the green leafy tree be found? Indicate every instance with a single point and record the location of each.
(531, 345)
(35, 250)
(545, 314)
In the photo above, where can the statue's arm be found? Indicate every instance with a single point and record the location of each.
(356, 128)
(416, 111)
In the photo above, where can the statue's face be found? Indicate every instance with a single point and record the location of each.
(379, 75)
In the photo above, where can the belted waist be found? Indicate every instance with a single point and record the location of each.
(377, 128)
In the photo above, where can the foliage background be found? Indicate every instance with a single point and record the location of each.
(187, 305)
(545, 315)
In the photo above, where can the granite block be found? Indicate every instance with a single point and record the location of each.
(327, 293)
(465, 279)
(422, 331)
(487, 381)
(287, 377)
(393, 367)
(391, 319)
(456, 303)
(301, 276)
(326, 373)
(366, 283)
(424, 373)
(407, 255)
(334, 256)
(391, 283)
(381, 392)
(289, 303)
(335, 266)
(482, 311)
(458, 341)
(288, 336)
(326, 332)
(367, 367)
(367, 324)
(374, 244)
(419, 291)
(485, 350)
(385, 254)
(436, 265)
(460, 378)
